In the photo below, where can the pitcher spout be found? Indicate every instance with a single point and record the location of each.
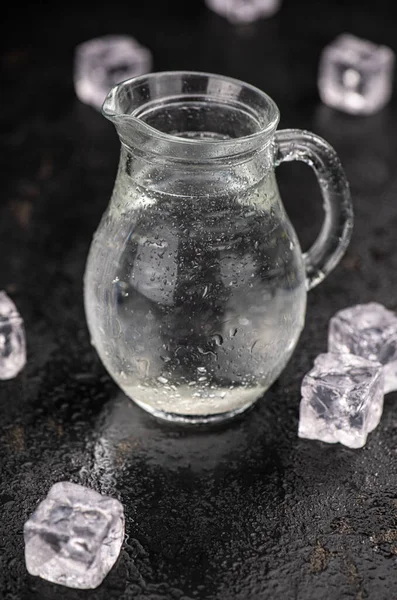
(120, 107)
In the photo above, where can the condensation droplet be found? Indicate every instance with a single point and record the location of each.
(218, 339)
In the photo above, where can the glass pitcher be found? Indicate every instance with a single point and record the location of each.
(195, 284)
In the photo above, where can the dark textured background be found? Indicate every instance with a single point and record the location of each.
(247, 511)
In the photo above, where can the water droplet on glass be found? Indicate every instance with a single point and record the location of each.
(218, 339)
(254, 344)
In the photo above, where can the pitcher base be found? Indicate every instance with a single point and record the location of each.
(195, 419)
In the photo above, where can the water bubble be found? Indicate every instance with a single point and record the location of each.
(201, 369)
(162, 379)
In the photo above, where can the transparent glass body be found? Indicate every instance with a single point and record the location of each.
(195, 285)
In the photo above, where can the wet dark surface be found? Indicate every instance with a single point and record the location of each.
(247, 511)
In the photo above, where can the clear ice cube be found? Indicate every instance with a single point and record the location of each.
(367, 330)
(12, 339)
(244, 11)
(103, 62)
(74, 536)
(355, 75)
(342, 399)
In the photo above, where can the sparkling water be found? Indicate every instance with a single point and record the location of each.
(195, 297)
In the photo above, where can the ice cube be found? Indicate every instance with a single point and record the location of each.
(12, 339)
(103, 62)
(342, 399)
(370, 331)
(74, 536)
(355, 75)
(244, 11)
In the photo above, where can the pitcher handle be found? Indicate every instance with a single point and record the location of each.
(335, 234)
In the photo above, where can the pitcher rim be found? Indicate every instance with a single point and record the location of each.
(117, 117)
